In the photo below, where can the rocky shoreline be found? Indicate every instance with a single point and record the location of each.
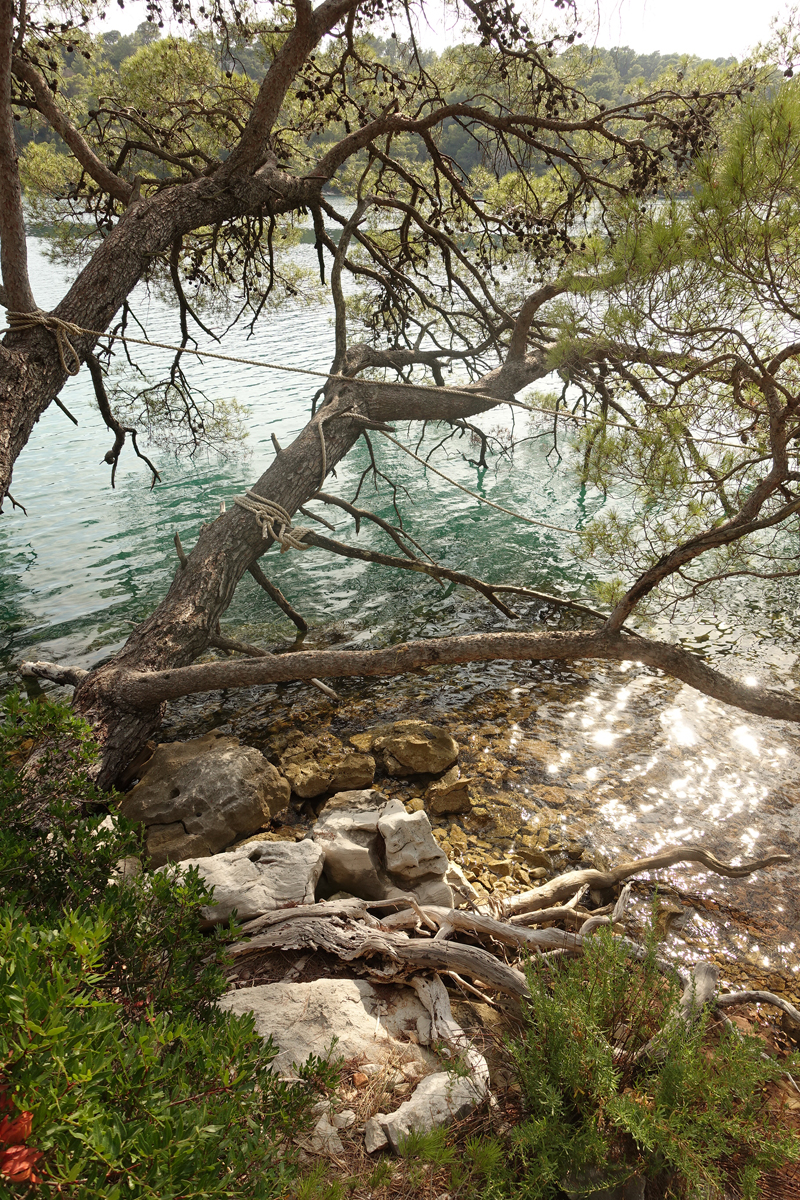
(334, 838)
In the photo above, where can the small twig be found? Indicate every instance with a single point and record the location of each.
(14, 503)
(277, 596)
(364, 514)
(66, 411)
(119, 430)
(276, 444)
(314, 517)
(475, 992)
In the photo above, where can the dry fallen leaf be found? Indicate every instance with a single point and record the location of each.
(17, 1164)
(14, 1130)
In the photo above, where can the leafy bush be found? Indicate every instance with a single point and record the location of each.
(118, 1074)
(153, 1108)
(690, 1112)
(55, 851)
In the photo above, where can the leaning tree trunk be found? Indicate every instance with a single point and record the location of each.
(180, 628)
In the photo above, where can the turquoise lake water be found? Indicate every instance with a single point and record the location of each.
(88, 560)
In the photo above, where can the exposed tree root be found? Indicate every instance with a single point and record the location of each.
(350, 931)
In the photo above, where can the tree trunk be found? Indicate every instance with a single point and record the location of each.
(179, 629)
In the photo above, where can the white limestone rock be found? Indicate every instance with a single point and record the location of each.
(374, 1134)
(376, 850)
(304, 1018)
(324, 1138)
(438, 1100)
(258, 878)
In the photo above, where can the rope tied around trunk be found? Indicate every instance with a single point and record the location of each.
(62, 331)
(275, 522)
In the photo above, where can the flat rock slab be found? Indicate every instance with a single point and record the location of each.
(196, 798)
(303, 1018)
(409, 747)
(259, 877)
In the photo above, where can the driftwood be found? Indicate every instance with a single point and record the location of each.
(502, 931)
(727, 999)
(348, 929)
(566, 885)
(349, 939)
(698, 991)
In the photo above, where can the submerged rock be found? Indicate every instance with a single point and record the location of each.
(196, 798)
(317, 765)
(450, 794)
(409, 747)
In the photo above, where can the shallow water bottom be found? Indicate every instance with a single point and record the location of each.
(613, 760)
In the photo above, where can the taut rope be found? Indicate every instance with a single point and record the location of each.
(63, 330)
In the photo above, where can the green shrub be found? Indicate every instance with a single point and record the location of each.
(55, 852)
(59, 852)
(157, 1107)
(118, 1074)
(692, 1114)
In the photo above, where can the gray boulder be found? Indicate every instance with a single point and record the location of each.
(196, 798)
(376, 850)
(409, 747)
(258, 878)
(412, 851)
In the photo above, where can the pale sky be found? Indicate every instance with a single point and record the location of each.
(707, 28)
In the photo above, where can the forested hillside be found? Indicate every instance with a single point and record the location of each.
(609, 77)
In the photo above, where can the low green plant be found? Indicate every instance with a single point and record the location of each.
(690, 1111)
(431, 1146)
(158, 1107)
(119, 1075)
(57, 850)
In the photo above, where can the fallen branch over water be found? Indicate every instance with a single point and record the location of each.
(134, 690)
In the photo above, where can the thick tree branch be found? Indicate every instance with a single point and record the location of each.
(311, 25)
(13, 248)
(133, 689)
(103, 176)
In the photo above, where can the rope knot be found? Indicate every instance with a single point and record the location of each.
(62, 331)
(275, 522)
